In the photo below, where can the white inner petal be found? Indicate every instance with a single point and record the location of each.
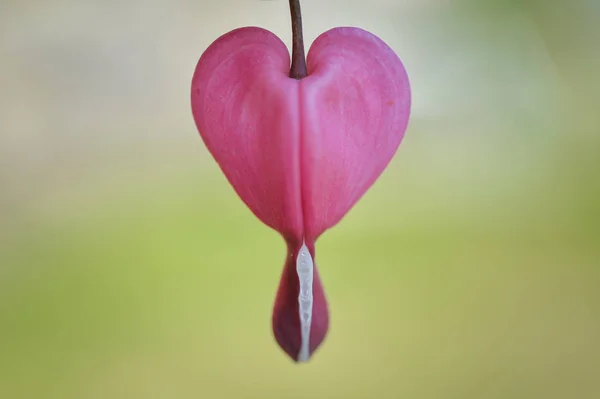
(304, 268)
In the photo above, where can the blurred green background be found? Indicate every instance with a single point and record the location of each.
(129, 268)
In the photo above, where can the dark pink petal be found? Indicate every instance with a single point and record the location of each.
(286, 315)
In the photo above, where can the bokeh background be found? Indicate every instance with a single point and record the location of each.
(130, 269)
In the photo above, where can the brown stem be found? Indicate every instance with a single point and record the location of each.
(298, 68)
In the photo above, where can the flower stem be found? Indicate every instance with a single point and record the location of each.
(298, 68)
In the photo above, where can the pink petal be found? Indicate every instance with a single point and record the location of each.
(300, 153)
(246, 109)
(355, 105)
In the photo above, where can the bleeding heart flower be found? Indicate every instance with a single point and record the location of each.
(300, 146)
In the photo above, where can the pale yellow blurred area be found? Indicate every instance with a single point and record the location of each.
(130, 269)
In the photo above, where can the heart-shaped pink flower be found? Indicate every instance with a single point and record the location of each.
(301, 152)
